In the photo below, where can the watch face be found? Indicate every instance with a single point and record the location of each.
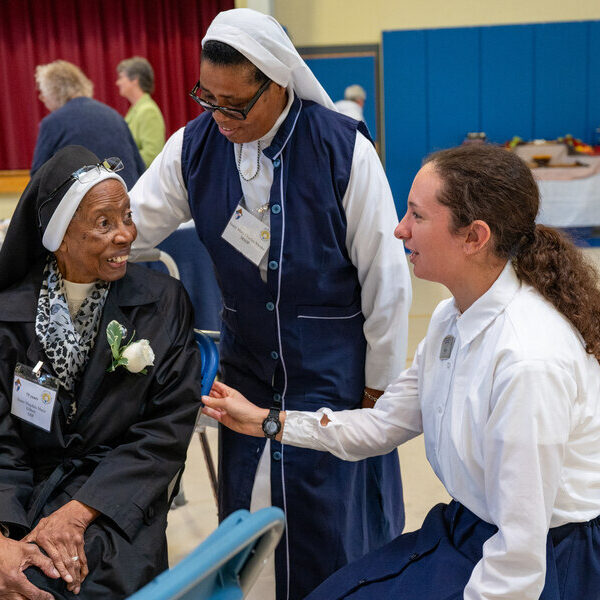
(271, 427)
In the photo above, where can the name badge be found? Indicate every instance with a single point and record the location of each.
(34, 396)
(446, 348)
(247, 235)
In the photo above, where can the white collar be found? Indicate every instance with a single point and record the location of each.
(488, 306)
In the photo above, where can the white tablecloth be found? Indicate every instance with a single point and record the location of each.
(574, 203)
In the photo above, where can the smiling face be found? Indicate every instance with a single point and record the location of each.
(98, 240)
(437, 253)
(234, 86)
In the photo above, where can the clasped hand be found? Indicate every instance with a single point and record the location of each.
(60, 536)
(15, 557)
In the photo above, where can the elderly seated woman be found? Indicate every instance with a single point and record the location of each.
(93, 431)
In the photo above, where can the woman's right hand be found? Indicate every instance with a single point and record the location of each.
(229, 407)
(15, 557)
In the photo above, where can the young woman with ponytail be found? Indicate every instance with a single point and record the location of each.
(505, 388)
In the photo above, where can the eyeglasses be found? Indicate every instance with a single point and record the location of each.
(235, 113)
(85, 174)
(91, 172)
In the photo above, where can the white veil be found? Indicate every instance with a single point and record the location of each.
(263, 41)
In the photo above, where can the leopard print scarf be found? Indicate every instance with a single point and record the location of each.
(67, 342)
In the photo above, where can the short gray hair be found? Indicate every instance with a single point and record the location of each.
(62, 81)
(137, 67)
(355, 92)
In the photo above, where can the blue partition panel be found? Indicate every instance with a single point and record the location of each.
(560, 75)
(507, 93)
(406, 109)
(453, 85)
(337, 73)
(535, 81)
(593, 78)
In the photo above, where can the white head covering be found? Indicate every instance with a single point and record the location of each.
(59, 222)
(262, 40)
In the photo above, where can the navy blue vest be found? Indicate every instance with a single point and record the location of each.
(296, 340)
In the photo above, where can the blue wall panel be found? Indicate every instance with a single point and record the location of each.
(506, 82)
(406, 109)
(337, 73)
(453, 85)
(560, 80)
(535, 81)
(593, 96)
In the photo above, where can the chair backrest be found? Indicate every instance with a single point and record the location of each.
(155, 254)
(226, 564)
(210, 359)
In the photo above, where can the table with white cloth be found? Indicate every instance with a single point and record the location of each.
(569, 186)
(570, 203)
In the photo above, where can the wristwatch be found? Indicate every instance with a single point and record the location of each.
(271, 426)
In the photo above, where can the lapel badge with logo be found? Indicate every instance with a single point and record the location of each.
(446, 348)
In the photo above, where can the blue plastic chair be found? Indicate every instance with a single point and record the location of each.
(210, 365)
(210, 357)
(226, 564)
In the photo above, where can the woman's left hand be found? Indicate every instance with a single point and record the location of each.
(60, 535)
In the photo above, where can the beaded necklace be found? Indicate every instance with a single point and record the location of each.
(239, 162)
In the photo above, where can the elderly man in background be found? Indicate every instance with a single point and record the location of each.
(136, 83)
(77, 119)
(293, 205)
(353, 103)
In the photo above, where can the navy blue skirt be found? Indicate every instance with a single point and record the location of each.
(436, 561)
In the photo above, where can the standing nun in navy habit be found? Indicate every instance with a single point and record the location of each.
(505, 387)
(292, 203)
(89, 452)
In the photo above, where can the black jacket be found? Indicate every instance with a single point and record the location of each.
(128, 439)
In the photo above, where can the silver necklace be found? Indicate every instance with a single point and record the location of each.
(239, 162)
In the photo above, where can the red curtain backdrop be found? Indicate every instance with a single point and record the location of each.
(96, 35)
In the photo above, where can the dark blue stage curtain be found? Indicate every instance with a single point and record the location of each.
(96, 35)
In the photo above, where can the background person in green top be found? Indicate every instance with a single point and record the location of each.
(136, 83)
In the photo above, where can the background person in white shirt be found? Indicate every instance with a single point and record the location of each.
(353, 103)
(505, 388)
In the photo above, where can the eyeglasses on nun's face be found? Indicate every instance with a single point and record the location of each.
(235, 113)
(86, 174)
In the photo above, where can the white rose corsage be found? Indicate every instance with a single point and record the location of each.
(134, 356)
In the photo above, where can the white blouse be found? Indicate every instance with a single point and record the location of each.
(511, 416)
(75, 294)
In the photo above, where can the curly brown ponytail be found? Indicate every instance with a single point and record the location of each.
(493, 185)
(556, 268)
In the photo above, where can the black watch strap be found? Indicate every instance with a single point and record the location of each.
(271, 426)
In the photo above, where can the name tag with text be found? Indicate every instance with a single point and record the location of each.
(34, 396)
(247, 235)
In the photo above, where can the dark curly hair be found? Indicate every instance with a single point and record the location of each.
(494, 185)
